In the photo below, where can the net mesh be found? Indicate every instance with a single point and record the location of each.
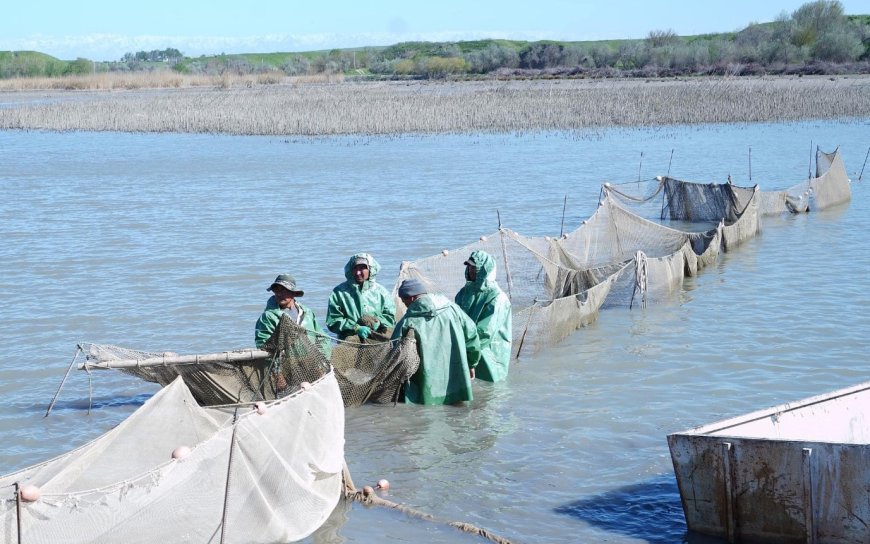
(366, 371)
(643, 239)
(248, 476)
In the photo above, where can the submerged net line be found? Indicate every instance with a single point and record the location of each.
(367, 497)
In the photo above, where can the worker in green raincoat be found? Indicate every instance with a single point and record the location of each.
(446, 342)
(490, 309)
(283, 301)
(360, 306)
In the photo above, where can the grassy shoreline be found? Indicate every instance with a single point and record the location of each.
(334, 107)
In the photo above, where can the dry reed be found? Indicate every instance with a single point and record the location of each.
(329, 108)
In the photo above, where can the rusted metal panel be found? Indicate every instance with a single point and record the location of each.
(754, 479)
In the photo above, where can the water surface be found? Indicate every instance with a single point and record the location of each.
(167, 242)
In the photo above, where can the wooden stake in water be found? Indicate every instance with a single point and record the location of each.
(639, 166)
(750, 163)
(507, 266)
(670, 161)
(810, 169)
(865, 164)
(564, 205)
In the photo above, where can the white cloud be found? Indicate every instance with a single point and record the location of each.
(105, 47)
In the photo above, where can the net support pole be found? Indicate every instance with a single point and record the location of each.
(63, 381)
(18, 512)
(564, 206)
(526, 330)
(750, 163)
(171, 360)
(507, 268)
(670, 161)
(227, 489)
(639, 166)
(865, 164)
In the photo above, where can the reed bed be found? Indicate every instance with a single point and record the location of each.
(163, 79)
(391, 108)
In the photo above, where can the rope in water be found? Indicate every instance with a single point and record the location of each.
(368, 497)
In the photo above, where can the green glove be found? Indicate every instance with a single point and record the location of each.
(363, 332)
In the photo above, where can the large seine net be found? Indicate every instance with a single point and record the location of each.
(643, 239)
(637, 247)
(248, 477)
(365, 371)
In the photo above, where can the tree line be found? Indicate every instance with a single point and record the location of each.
(817, 38)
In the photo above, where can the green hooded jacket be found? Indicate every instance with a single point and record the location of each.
(349, 301)
(448, 347)
(490, 309)
(270, 317)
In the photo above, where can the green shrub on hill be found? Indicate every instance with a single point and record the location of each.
(818, 37)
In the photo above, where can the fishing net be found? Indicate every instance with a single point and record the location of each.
(830, 187)
(270, 474)
(366, 371)
(644, 238)
(637, 247)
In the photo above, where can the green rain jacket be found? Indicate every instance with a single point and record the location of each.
(270, 317)
(348, 302)
(448, 347)
(490, 309)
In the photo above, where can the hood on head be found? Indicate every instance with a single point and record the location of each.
(484, 264)
(374, 267)
(427, 306)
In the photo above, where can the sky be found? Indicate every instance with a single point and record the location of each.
(105, 30)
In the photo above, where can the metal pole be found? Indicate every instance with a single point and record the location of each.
(240, 356)
(54, 399)
(18, 510)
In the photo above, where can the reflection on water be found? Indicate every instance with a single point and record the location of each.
(167, 242)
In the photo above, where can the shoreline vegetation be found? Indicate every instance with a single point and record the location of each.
(811, 64)
(333, 105)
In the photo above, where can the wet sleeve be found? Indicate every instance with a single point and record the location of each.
(265, 327)
(336, 317)
(323, 340)
(388, 314)
(472, 340)
(487, 328)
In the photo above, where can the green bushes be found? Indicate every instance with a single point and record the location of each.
(818, 35)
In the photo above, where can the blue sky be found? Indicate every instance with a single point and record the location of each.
(105, 30)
